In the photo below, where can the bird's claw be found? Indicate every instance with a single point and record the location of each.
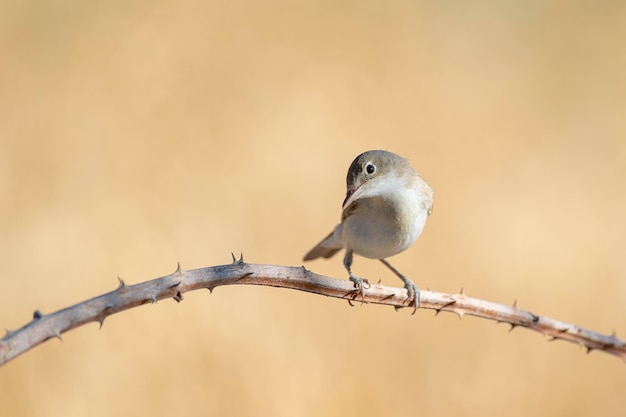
(358, 286)
(413, 295)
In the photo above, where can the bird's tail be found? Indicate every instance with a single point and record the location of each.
(325, 249)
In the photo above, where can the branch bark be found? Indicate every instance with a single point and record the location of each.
(46, 326)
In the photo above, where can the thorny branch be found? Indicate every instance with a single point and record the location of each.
(47, 326)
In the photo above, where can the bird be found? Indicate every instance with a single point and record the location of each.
(384, 212)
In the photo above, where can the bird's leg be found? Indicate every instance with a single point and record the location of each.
(358, 281)
(411, 289)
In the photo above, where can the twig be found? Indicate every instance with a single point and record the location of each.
(47, 326)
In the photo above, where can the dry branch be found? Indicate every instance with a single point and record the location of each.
(47, 326)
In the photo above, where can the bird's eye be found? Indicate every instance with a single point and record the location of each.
(370, 168)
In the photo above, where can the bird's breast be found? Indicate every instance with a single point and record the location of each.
(385, 225)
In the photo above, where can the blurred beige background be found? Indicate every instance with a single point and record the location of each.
(135, 135)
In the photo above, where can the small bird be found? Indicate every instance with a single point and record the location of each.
(384, 213)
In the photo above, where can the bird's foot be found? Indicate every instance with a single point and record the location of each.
(413, 293)
(413, 298)
(358, 286)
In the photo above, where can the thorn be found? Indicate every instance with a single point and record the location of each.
(58, 336)
(304, 270)
(448, 304)
(614, 333)
(513, 326)
(462, 292)
(101, 321)
(210, 289)
(589, 349)
(174, 285)
(398, 308)
(237, 261)
(460, 314)
(178, 270)
(350, 302)
(246, 275)
(37, 315)
(534, 317)
(379, 283)
(122, 284)
(153, 299)
(178, 297)
(515, 303)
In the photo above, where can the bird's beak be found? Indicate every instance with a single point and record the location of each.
(351, 195)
